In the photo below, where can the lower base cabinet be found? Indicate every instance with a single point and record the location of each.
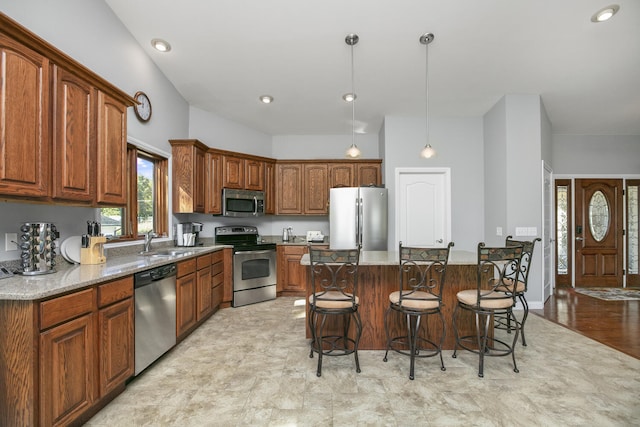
(291, 276)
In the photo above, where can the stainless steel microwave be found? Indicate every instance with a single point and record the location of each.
(242, 203)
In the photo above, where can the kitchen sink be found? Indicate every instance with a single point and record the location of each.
(168, 252)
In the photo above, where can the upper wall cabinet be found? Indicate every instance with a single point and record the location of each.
(24, 120)
(189, 171)
(63, 129)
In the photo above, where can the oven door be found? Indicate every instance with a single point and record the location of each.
(253, 269)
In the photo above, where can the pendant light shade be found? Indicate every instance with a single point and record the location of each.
(353, 151)
(428, 151)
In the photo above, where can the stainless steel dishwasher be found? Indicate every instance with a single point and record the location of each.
(155, 330)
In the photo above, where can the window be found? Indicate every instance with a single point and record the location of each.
(147, 205)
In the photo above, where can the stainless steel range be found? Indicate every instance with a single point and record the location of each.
(254, 264)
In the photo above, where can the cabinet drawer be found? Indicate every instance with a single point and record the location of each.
(115, 291)
(203, 261)
(64, 308)
(186, 267)
(217, 280)
(217, 256)
(216, 268)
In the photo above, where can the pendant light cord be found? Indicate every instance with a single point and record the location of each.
(426, 85)
(353, 102)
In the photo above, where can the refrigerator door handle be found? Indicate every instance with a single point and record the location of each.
(360, 218)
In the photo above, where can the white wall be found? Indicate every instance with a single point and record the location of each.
(323, 146)
(459, 146)
(89, 32)
(596, 154)
(495, 185)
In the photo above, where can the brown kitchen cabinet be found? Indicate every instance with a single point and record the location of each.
(115, 334)
(67, 358)
(315, 189)
(188, 174)
(213, 184)
(291, 276)
(24, 107)
(254, 175)
(186, 289)
(341, 175)
(368, 174)
(233, 172)
(217, 279)
(64, 128)
(204, 289)
(270, 187)
(289, 188)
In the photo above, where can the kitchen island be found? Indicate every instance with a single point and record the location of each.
(378, 277)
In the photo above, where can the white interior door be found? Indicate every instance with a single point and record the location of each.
(423, 208)
(548, 230)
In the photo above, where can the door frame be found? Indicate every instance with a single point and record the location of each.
(548, 221)
(572, 236)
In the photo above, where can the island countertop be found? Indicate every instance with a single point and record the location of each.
(391, 258)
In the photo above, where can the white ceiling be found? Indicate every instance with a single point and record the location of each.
(226, 53)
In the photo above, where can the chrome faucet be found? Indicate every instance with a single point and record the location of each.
(147, 240)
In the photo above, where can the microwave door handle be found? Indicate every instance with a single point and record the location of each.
(255, 206)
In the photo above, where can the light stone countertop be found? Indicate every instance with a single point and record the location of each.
(391, 258)
(69, 277)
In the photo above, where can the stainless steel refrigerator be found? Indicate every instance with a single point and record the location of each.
(358, 215)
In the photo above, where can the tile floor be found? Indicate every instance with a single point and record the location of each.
(250, 366)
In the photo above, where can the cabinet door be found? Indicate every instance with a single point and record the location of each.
(185, 303)
(292, 275)
(24, 124)
(200, 180)
(289, 189)
(116, 343)
(316, 191)
(112, 152)
(269, 188)
(213, 185)
(73, 156)
(368, 174)
(67, 371)
(341, 175)
(232, 172)
(254, 175)
(204, 293)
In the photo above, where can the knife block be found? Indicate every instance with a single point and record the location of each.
(94, 254)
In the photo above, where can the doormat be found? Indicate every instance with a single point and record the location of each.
(611, 294)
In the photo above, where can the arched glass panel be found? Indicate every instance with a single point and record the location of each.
(598, 216)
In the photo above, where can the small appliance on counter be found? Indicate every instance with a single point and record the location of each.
(315, 237)
(186, 233)
(38, 246)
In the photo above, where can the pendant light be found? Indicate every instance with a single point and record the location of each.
(353, 151)
(428, 151)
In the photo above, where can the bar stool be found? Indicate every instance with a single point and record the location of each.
(334, 278)
(421, 278)
(492, 297)
(521, 280)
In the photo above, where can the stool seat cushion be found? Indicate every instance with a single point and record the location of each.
(489, 301)
(332, 299)
(420, 300)
(508, 286)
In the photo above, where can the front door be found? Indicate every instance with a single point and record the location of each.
(598, 232)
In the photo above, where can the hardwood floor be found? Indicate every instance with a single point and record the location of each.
(613, 323)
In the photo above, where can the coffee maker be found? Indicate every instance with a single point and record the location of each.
(186, 233)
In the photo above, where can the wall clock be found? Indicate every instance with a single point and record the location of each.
(143, 108)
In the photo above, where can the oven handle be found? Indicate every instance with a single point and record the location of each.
(265, 251)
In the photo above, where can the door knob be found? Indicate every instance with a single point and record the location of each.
(439, 240)
(580, 239)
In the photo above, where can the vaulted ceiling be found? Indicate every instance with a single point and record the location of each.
(226, 53)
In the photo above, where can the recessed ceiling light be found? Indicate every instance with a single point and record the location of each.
(605, 14)
(266, 99)
(349, 97)
(161, 45)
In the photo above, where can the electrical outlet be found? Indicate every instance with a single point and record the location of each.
(9, 238)
(498, 231)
